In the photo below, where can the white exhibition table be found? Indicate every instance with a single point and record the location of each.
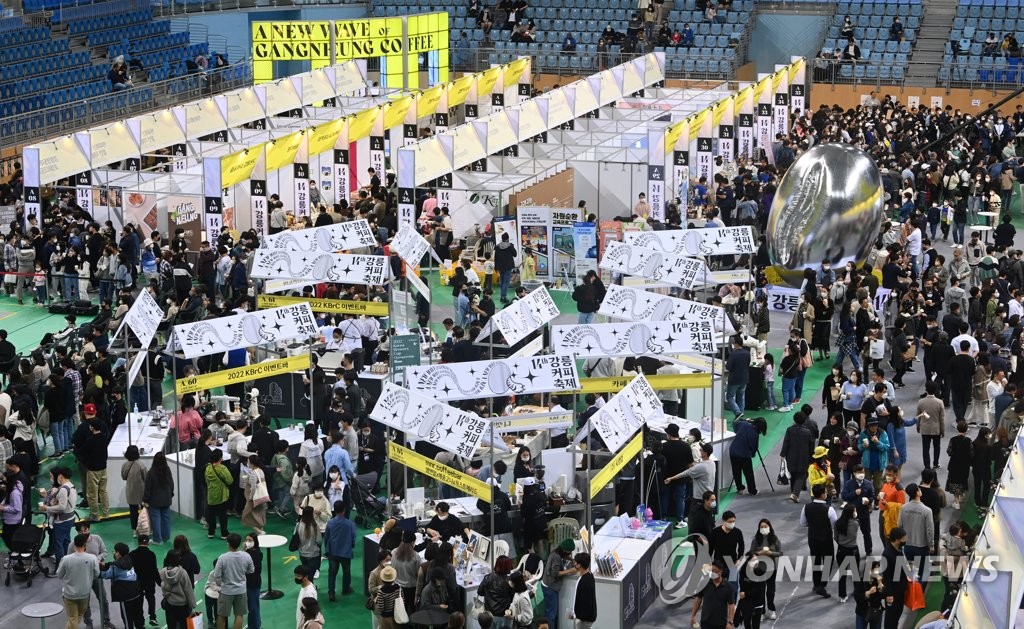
(150, 440)
(720, 441)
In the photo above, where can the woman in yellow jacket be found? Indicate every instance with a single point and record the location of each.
(819, 472)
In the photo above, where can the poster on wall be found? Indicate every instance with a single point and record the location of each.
(696, 242)
(336, 237)
(535, 243)
(563, 244)
(321, 267)
(423, 418)
(634, 304)
(184, 213)
(140, 210)
(585, 340)
(509, 226)
(495, 378)
(584, 237)
(106, 206)
(652, 265)
(215, 336)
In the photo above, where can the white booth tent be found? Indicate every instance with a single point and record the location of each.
(994, 586)
(82, 152)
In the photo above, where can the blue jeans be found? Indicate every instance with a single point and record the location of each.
(61, 537)
(675, 495)
(958, 233)
(862, 623)
(64, 429)
(160, 522)
(770, 386)
(800, 382)
(586, 317)
(57, 431)
(70, 287)
(505, 278)
(841, 354)
(550, 605)
(106, 290)
(41, 294)
(736, 398)
(788, 391)
(333, 563)
(252, 597)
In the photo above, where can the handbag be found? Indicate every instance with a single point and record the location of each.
(783, 478)
(195, 621)
(876, 349)
(401, 615)
(806, 360)
(143, 527)
(875, 614)
(371, 601)
(294, 542)
(260, 495)
(914, 597)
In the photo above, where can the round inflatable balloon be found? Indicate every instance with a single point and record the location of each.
(829, 205)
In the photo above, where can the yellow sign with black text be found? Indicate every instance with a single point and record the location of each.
(658, 382)
(334, 306)
(238, 375)
(439, 472)
(619, 461)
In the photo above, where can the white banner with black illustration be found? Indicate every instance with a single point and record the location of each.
(219, 335)
(634, 304)
(422, 417)
(495, 378)
(695, 242)
(625, 413)
(653, 265)
(411, 246)
(143, 319)
(320, 266)
(336, 237)
(586, 340)
(520, 318)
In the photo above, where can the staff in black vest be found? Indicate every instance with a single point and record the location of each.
(819, 518)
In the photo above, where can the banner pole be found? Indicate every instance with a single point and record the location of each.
(127, 382)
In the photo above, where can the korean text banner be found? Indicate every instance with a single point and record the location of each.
(653, 265)
(626, 412)
(245, 330)
(525, 315)
(143, 318)
(634, 304)
(320, 267)
(658, 382)
(696, 336)
(333, 306)
(532, 421)
(439, 471)
(696, 242)
(494, 378)
(336, 237)
(411, 246)
(423, 418)
(183, 386)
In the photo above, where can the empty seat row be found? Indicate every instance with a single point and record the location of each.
(34, 51)
(24, 36)
(15, 71)
(889, 9)
(137, 31)
(102, 23)
(861, 72)
(152, 44)
(56, 80)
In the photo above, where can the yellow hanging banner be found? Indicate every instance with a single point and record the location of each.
(619, 461)
(428, 100)
(281, 152)
(361, 124)
(658, 382)
(394, 113)
(239, 375)
(237, 167)
(322, 137)
(368, 308)
(439, 472)
(458, 91)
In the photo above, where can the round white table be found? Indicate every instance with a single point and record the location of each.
(42, 611)
(270, 541)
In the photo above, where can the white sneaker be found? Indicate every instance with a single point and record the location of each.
(317, 575)
(681, 524)
(771, 615)
(842, 599)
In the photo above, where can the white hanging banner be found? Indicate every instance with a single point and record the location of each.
(219, 335)
(725, 115)
(258, 206)
(634, 339)
(695, 242)
(83, 191)
(626, 412)
(143, 319)
(780, 123)
(653, 265)
(341, 174)
(634, 304)
(495, 378)
(320, 267)
(520, 318)
(532, 421)
(301, 173)
(422, 417)
(335, 237)
(411, 246)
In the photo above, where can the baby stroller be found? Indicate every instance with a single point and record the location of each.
(370, 509)
(24, 559)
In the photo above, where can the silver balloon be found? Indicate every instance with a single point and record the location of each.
(829, 205)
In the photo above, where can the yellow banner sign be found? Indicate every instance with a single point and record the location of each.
(240, 374)
(440, 472)
(657, 382)
(619, 461)
(368, 308)
(237, 167)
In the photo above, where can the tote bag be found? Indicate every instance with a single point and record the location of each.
(260, 496)
(401, 615)
(144, 527)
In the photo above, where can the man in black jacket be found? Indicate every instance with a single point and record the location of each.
(206, 268)
(504, 264)
(961, 379)
(94, 456)
(584, 609)
(264, 443)
(818, 517)
(894, 577)
(797, 446)
(702, 515)
(144, 562)
(678, 457)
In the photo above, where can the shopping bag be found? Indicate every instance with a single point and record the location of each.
(783, 478)
(143, 527)
(876, 349)
(914, 598)
(196, 621)
(401, 615)
(260, 496)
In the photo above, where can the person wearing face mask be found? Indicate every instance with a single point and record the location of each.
(371, 451)
(818, 518)
(726, 544)
(894, 577)
(701, 520)
(443, 526)
(254, 581)
(767, 546)
(306, 590)
(524, 464)
(869, 595)
(716, 603)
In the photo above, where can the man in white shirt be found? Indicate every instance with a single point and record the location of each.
(964, 336)
(351, 334)
(669, 397)
(1014, 307)
(559, 437)
(914, 249)
(306, 590)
